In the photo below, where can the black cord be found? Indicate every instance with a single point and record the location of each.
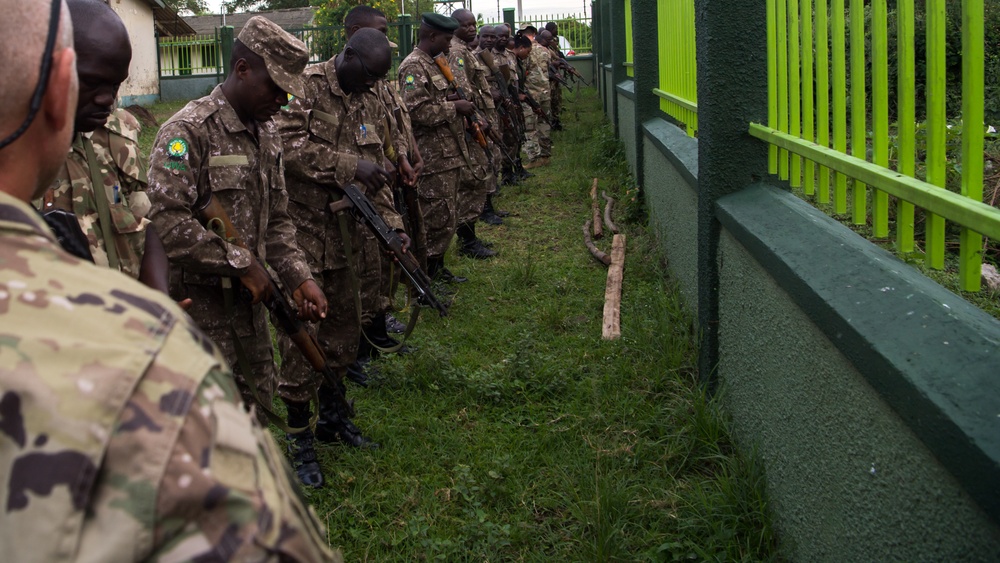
(43, 77)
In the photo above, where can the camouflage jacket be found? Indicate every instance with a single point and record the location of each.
(399, 127)
(123, 438)
(437, 128)
(203, 147)
(509, 60)
(462, 63)
(536, 73)
(324, 134)
(123, 167)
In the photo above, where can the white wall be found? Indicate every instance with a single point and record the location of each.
(143, 79)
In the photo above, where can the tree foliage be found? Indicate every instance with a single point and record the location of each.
(233, 6)
(194, 7)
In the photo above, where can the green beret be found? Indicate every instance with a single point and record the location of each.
(284, 55)
(437, 21)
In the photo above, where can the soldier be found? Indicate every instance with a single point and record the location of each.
(558, 61)
(225, 146)
(104, 179)
(439, 130)
(332, 135)
(122, 435)
(494, 100)
(538, 145)
(511, 171)
(478, 180)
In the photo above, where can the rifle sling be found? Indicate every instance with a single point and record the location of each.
(101, 199)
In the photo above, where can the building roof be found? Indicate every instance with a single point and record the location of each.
(287, 18)
(168, 23)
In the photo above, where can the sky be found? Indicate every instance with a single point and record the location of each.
(488, 8)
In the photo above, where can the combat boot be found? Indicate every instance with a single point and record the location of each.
(378, 335)
(471, 246)
(334, 423)
(393, 325)
(489, 215)
(300, 445)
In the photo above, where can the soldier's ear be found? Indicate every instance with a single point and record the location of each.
(241, 68)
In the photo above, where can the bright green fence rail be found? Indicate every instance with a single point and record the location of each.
(575, 31)
(190, 55)
(678, 89)
(808, 46)
(629, 47)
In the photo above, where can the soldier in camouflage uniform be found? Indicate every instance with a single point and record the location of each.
(478, 180)
(122, 436)
(506, 62)
(538, 143)
(558, 61)
(225, 145)
(439, 130)
(332, 137)
(104, 179)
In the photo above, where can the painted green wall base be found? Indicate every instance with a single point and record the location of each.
(870, 393)
(671, 173)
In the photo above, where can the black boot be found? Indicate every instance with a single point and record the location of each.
(359, 371)
(393, 325)
(508, 176)
(300, 446)
(378, 334)
(489, 215)
(334, 423)
(521, 173)
(489, 202)
(472, 247)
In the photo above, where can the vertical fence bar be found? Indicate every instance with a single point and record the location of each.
(794, 89)
(970, 259)
(859, 144)
(782, 20)
(880, 112)
(692, 61)
(839, 99)
(936, 127)
(823, 92)
(772, 84)
(905, 117)
(629, 48)
(663, 37)
(808, 117)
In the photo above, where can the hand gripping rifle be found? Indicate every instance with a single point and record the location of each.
(365, 212)
(210, 211)
(535, 107)
(471, 124)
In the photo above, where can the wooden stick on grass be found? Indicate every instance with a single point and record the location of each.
(598, 231)
(607, 213)
(613, 293)
(594, 251)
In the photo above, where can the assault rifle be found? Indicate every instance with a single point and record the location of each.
(363, 210)
(472, 124)
(210, 211)
(508, 101)
(536, 107)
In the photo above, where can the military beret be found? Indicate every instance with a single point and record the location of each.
(284, 56)
(439, 22)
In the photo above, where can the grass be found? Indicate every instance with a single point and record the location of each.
(515, 433)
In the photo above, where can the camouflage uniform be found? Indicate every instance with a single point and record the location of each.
(554, 87)
(123, 438)
(325, 133)
(206, 147)
(121, 164)
(537, 144)
(440, 133)
(513, 136)
(478, 180)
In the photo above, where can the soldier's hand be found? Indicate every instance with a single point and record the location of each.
(257, 282)
(371, 175)
(406, 171)
(418, 159)
(185, 304)
(310, 300)
(464, 107)
(406, 240)
(495, 94)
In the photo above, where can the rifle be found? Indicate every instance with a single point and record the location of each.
(363, 210)
(572, 70)
(536, 107)
(210, 211)
(471, 124)
(554, 75)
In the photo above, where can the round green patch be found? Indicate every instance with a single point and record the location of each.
(177, 148)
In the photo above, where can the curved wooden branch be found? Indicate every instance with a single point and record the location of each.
(594, 251)
(607, 213)
(598, 231)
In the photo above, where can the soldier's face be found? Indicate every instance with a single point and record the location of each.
(487, 39)
(263, 98)
(466, 27)
(502, 36)
(440, 43)
(359, 72)
(102, 65)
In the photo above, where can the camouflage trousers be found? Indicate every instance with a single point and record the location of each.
(337, 334)
(374, 276)
(438, 202)
(556, 90)
(475, 184)
(250, 323)
(538, 142)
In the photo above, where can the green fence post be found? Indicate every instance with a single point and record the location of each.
(645, 53)
(405, 35)
(731, 40)
(508, 18)
(616, 25)
(226, 38)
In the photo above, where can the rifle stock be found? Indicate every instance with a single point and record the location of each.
(471, 124)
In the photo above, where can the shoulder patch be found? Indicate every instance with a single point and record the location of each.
(461, 62)
(177, 150)
(410, 81)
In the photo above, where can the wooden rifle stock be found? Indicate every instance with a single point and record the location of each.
(472, 124)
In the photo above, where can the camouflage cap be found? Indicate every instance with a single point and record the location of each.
(284, 56)
(439, 22)
(529, 27)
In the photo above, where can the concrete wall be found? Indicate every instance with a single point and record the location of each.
(188, 88)
(625, 91)
(584, 64)
(671, 192)
(869, 392)
(143, 83)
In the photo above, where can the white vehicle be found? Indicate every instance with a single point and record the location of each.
(565, 47)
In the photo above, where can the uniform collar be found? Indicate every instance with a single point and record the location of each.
(227, 114)
(331, 76)
(16, 215)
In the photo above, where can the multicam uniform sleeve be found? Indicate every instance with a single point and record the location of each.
(419, 96)
(283, 254)
(225, 493)
(177, 165)
(307, 156)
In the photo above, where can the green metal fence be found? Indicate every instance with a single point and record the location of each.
(190, 55)
(678, 89)
(808, 46)
(574, 30)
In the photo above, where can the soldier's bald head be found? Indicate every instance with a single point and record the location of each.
(24, 28)
(104, 54)
(371, 44)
